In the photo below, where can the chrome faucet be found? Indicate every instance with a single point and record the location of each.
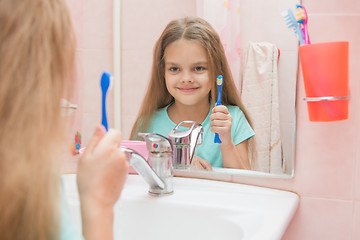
(177, 150)
(184, 143)
(160, 175)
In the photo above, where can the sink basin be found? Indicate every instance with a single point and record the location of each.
(198, 209)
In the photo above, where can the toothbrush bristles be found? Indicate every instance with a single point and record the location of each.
(300, 15)
(289, 21)
(219, 80)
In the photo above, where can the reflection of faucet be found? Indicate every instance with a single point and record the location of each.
(184, 143)
(159, 176)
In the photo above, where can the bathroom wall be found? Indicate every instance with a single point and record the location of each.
(93, 25)
(327, 174)
(327, 168)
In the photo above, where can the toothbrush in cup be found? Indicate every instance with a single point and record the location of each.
(302, 19)
(293, 25)
(105, 81)
(219, 82)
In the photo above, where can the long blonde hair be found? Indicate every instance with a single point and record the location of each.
(157, 95)
(36, 49)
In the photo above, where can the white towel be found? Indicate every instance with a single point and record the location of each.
(261, 100)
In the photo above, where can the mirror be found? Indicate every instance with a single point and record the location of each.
(260, 21)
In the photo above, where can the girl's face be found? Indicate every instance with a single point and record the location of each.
(186, 72)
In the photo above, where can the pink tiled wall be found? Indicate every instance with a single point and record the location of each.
(327, 155)
(93, 25)
(327, 168)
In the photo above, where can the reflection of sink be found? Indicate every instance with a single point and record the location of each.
(198, 209)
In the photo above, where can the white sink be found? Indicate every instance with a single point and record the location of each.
(198, 209)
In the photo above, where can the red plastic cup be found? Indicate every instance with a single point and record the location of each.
(325, 68)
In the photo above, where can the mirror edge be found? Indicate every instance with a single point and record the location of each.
(117, 62)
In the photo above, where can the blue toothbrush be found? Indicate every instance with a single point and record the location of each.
(293, 24)
(105, 83)
(219, 82)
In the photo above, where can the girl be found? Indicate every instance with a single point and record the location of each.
(37, 52)
(188, 57)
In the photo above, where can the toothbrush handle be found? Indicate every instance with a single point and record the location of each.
(218, 102)
(217, 138)
(300, 35)
(104, 119)
(306, 34)
(303, 32)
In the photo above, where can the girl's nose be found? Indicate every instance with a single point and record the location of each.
(186, 78)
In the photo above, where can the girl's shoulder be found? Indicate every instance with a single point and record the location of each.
(160, 122)
(236, 113)
(160, 112)
(233, 109)
(160, 116)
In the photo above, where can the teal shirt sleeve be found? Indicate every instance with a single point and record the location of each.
(241, 129)
(68, 231)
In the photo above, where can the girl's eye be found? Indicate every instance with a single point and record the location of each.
(199, 69)
(174, 69)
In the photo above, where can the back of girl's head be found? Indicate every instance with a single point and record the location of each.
(193, 29)
(36, 50)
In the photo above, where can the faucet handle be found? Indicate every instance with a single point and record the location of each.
(196, 138)
(185, 143)
(182, 137)
(197, 134)
(144, 169)
(156, 142)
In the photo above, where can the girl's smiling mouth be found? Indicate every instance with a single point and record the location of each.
(188, 89)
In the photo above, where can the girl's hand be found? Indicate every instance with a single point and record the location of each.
(102, 171)
(221, 122)
(200, 164)
(232, 156)
(102, 168)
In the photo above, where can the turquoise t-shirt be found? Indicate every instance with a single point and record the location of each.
(241, 130)
(68, 231)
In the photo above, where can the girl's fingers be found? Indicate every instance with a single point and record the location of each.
(205, 165)
(220, 109)
(118, 162)
(111, 139)
(199, 165)
(221, 123)
(220, 117)
(99, 133)
(220, 130)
